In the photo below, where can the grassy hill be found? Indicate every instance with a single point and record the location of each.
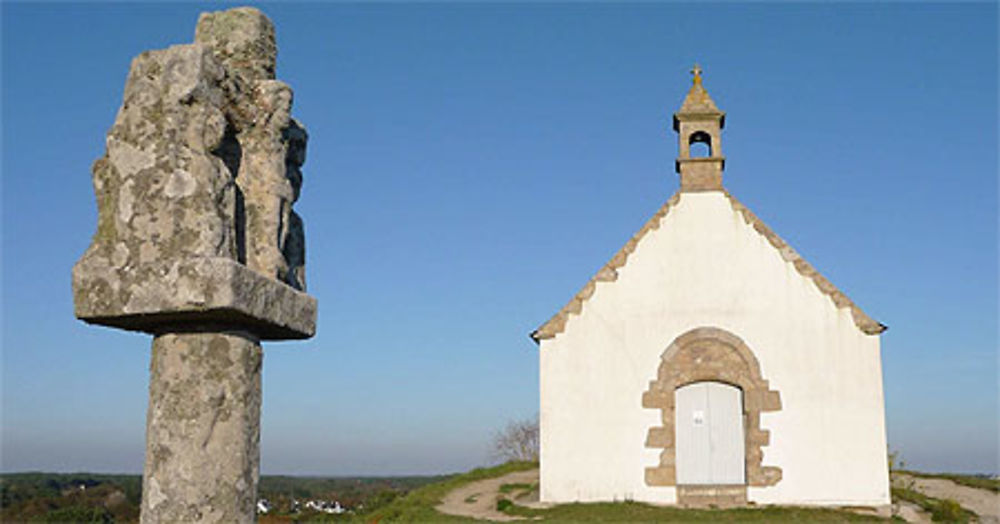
(418, 506)
(83, 497)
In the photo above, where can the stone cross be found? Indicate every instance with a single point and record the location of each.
(197, 244)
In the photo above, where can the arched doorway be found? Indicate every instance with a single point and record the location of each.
(709, 354)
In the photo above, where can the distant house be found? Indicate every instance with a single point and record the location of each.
(709, 363)
(333, 508)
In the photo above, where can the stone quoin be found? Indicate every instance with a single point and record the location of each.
(707, 363)
(198, 244)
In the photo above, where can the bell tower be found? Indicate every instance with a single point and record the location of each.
(699, 124)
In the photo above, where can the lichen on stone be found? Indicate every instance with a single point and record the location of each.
(203, 161)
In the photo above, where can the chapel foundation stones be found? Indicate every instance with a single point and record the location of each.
(197, 243)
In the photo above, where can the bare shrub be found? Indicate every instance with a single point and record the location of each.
(517, 441)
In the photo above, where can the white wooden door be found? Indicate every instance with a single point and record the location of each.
(709, 428)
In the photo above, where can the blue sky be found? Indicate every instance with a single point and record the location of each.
(470, 167)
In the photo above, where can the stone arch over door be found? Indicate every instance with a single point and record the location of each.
(710, 354)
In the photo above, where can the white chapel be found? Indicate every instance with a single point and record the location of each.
(709, 364)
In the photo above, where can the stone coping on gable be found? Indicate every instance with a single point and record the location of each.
(189, 293)
(866, 324)
(609, 272)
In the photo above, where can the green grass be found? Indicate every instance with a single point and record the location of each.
(965, 480)
(941, 510)
(418, 506)
(507, 488)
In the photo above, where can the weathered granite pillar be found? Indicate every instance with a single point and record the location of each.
(203, 428)
(197, 243)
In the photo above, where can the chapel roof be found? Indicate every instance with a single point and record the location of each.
(609, 272)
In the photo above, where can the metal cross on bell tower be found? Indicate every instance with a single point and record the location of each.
(696, 71)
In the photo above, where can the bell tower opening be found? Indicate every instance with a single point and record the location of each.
(700, 145)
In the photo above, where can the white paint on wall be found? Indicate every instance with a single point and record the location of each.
(705, 266)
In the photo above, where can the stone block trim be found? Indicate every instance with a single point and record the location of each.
(609, 272)
(701, 174)
(712, 496)
(710, 354)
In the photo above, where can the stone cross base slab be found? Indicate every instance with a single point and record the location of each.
(192, 293)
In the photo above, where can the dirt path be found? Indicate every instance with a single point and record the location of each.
(478, 499)
(912, 513)
(982, 502)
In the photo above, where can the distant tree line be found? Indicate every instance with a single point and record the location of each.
(96, 498)
(69, 497)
